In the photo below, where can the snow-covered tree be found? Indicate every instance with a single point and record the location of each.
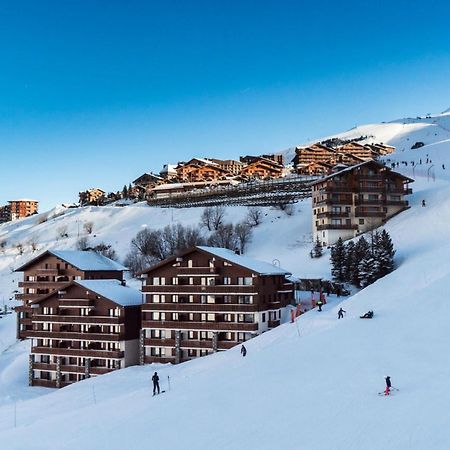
(338, 261)
(317, 250)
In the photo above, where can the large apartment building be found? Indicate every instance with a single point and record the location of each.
(52, 269)
(355, 200)
(86, 328)
(206, 300)
(18, 209)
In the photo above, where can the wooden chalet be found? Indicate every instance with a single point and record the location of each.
(94, 196)
(198, 169)
(262, 168)
(355, 200)
(206, 300)
(86, 328)
(54, 268)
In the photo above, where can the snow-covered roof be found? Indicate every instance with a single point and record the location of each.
(113, 290)
(87, 260)
(260, 267)
(83, 260)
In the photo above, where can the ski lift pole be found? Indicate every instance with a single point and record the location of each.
(168, 382)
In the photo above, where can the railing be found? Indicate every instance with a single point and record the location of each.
(44, 383)
(396, 202)
(188, 325)
(368, 201)
(226, 289)
(158, 359)
(207, 271)
(109, 320)
(273, 323)
(344, 226)
(200, 307)
(336, 201)
(332, 214)
(86, 353)
(70, 335)
(362, 213)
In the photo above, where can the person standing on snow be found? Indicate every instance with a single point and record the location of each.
(243, 350)
(341, 313)
(423, 203)
(388, 385)
(155, 379)
(319, 304)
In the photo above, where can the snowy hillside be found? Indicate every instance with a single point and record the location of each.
(402, 133)
(310, 385)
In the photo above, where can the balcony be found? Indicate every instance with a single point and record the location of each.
(84, 353)
(158, 359)
(75, 336)
(206, 271)
(363, 213)
(332, 214)
(44, 383)
(218, 289)
(342, 200)
(344, 226)
(402, 203)
(49, 272)
(200, 307)
(155, 342)
(367, 177)
(333, 186)
(42, 284)
(367, 201)
(109, 320)
(366, 188)
(188, 325)
(273, 323)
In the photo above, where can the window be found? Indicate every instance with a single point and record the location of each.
(227, 299)
(245, 318)
(226, 280)
(156, 281)
(156, 298)
(245, 281)
(361, 221)
(263, 317)
(174, 280)
(373, 197)
(245, 299)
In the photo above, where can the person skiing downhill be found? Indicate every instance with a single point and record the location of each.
(319, 304)
(341, 313)
(388, 385)
(155, 379)
(243, 350)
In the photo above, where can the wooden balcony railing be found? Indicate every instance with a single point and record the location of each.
(75, 336)
(218, 289)
(110, 320)
(212, 326)
(344, 226)
(207, 271)
(85, 353)
(333, 214)
(273, 323)
(158, 359)
(200, 307)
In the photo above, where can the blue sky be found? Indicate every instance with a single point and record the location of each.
(93, 93)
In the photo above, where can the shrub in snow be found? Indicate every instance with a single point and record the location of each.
(254, 216)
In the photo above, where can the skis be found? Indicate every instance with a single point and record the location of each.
(162, 392)
(391, 391)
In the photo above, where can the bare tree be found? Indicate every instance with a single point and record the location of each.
(33, 242)
(243, 233)
(206, 218)
(62, 231)
(254, 216)
(105, 250)
(287, 208)
(82, 243)
(89, 227)
(224, 237)
(135, 261)
(218, 214)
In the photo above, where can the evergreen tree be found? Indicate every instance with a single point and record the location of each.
(125, 191)
(361, 251)
(366, 270)
(385, 254)
(338, 261)
(349, 265)
(317, 250)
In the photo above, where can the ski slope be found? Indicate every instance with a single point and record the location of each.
(310, 385)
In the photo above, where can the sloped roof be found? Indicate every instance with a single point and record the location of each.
(260, 267)
(83, 260)
(113, 290)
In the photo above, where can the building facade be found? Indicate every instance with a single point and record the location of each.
(85, 329)
(19, 209)
(355, 200)
(94, 196)
(206, 300)
(55, 268)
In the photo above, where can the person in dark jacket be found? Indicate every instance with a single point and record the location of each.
(388, 385)
(341, 313)
(243, 350)
(155, 379)
(319, 304)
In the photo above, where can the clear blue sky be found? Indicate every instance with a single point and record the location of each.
(94, 93)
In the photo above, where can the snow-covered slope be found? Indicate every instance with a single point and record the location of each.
(402, 133)
(309, 385)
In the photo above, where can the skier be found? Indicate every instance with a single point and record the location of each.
(443, 166)
(423, 203)
(341, 313)
(319, 304)
(367, 315)
(243, 350)
(388, 385)
(155, 379)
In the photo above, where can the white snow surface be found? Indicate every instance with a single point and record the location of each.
(260, 267)
(113, 290)
(309, 385)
